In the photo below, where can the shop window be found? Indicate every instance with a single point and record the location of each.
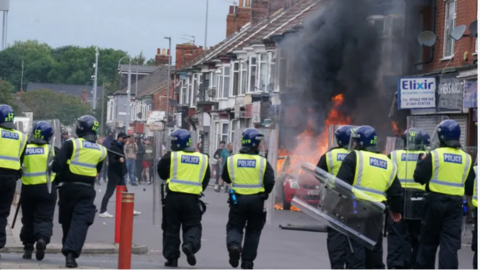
(450, 20)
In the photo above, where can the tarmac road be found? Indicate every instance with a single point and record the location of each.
(278, 248)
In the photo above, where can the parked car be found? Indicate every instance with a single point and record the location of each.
(297, 183)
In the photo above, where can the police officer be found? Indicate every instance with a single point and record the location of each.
(187, 173)
(475, 230)
(12, 151)
(337, 244)
(252, 178)
(38, 205)
(448, 174)
(78, 162)
(403, 236)
(373, 173)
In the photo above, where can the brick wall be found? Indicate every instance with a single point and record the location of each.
(162, 58)
(466, 13)
(160, 98)
(184, 53)
(237, 17)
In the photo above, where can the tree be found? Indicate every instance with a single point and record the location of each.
(151, 62)
(47, 104)
(7, 95)
(139, 59)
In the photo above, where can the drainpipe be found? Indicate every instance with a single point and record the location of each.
(434, 20)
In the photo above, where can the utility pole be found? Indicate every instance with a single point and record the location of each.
(206, 27)
(95, 79)
(127, 121)
(136, 83)
(103, 122)
(21, 80)
(168, 77)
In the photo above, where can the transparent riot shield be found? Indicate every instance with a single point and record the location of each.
(157, 184)
(272, 149)
(57, 131)
(344, 208)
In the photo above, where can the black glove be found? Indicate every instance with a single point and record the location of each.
(263, 196)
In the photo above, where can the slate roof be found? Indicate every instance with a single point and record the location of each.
(149, 84)
(69, 89)
(141, 69)
(278, 23)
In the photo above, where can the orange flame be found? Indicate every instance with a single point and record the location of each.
(397, 131)
(279, 206)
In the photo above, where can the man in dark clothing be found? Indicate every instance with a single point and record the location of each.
(378, 180)
(77, 164)
(12, 151)
(185, 184)
(139, 160)
(116, 172)
(106, 143)
(218, 166)
(448, 174)
(248, 192)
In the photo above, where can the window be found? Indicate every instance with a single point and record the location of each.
(253, 74)
(213, 85)
(226, 81)
(110, 111)
(282, 71)
(272, 72)
(222, 133)
(184, 92)
(233, 127)
(450, 20)
(219, 82)
(236, 80)
(243, 77)
(195, 90)
(262, 77)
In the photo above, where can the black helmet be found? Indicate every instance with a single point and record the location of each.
(87, 125)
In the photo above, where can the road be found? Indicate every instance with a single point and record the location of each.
(278, 248)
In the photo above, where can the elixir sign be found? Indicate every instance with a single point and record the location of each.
(416, 93)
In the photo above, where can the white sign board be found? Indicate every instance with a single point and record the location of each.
(156, 126)
(256, 112)
(416, 93)
(155, 116)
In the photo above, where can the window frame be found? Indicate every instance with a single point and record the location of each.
(184, 91)
(235, 78)
(446, 32)
(272, 71)
(226, 80)
(193, 97)
(244, 66)
(253, 74)
(261, 63)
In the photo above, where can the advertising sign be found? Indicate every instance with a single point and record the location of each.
(470, 95)
(416, 93)
(450, 95)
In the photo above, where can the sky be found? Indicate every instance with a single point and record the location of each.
(130, 25)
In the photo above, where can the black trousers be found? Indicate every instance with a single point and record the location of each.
(113, 181)
(337, 245)
(8, 183)
(181, 210)
(441, 225)
(38, 208)
(247, 214)
(139, 169)
(364, 258)
(474, 239)
(76, 214)
(403, 241)
(104, 171)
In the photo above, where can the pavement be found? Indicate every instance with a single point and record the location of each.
(280, 249)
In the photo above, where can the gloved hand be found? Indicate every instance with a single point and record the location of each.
(264, 196)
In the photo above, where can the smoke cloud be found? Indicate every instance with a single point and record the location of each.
(337, 52)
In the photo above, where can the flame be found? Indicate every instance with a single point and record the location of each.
(311, 147)
(279, 206)
(397, 131)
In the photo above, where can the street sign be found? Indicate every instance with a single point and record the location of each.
(156, 126)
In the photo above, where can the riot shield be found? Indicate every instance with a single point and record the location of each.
(157, 182)
(272, 149)
(344, 208)
(57, 131)
(414, 196)
(49, 172)
(352, 139)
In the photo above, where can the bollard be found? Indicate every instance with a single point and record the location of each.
(126, 231)
(118, 211)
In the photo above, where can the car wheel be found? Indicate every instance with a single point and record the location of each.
(286, 204)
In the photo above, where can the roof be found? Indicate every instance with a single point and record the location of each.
(69, 89)
(141, 69)
(24, 108)
(278, 23)
(149, 84)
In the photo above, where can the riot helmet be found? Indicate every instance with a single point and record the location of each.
(365, 138)
(251, 139)
(181, 140)
(412, 139)
(448, 132)
(343, 135)
(42, 133)
(6, 116)
(87, 128)
(425, 139)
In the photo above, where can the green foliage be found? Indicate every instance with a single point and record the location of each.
(47, 104)
(7, 95)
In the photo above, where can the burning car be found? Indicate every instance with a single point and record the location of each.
(295, 182)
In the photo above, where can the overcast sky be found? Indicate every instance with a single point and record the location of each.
(128, 25)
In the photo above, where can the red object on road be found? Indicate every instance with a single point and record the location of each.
(126, 231)
(118, 211)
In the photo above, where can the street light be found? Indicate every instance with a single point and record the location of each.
(95, 80)
(168, 77)
(127, 123)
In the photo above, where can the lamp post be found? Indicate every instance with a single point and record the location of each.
(95, 80)
(129, 82)
(206, 27)
(168, 77)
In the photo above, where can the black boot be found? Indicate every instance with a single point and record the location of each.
(171, 263)
(187, 249)
(70, 261)
(28, 250)
(247, 265)
(40, 249)
(234, 254)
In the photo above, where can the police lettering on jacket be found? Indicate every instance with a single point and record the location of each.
(411, 157)
(452, 158)
(34, 151)
(246, 163)
(375, 162)
(190, 160)
(91, 145)
(9, 135)
(341, 156)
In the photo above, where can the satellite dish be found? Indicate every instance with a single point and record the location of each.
(457, 32)
(473, 28)
(427, 38)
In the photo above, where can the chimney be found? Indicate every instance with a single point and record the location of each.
(259, 11)
(184, 53)
(161, 58)
(238, 17)
(84, 96)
